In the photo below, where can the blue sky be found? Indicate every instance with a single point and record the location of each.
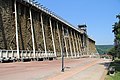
(98, 15)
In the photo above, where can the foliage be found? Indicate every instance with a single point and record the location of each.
(103, 48)
(116, 30)
(112, 51)
(116, 63)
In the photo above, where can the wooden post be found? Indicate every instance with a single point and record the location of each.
(79, 41)
(59, 38)
(52, 37)
(70, 44)
(76, 44)
(43, 32)
(87, 45)
(65, 41)
(32, 31)
(73, 44)
(16, 25)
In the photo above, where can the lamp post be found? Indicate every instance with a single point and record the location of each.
(62, 70)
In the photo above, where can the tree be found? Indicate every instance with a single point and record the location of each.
(112, 51)
(116, 30)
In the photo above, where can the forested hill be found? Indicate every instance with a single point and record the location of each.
(103, 48)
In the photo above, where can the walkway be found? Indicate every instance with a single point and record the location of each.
(75, 69)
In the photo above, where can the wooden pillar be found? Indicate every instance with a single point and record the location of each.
(59, 38)
(73, 44)
(79, 48)
(83, 44)
(70, 44)
(52, 37)
(16, 25)
(65, 41)
(43, 32)
(76, 44)
(79, 42)
(32, 31)
(87, 45)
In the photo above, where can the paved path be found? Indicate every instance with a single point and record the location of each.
(95, 72)
(90, 71)
(75, 69)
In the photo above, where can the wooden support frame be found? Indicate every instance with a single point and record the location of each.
(73, 45)
(16, 25)
(78, 38)
(76, 44)
(32, 31)
(87, 46)
(59, 38)
(83, 44)
(79, 42)
(43, 33)
(52, 37)
(65, 42)
(70, 44)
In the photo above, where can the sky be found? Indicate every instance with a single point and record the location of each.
(98, 15)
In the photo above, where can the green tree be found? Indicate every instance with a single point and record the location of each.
(116, 30)
(112, 51)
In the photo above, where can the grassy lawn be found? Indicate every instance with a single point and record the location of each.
(116, 63)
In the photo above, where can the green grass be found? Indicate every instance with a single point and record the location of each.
(116, 63)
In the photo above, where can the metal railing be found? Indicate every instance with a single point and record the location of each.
(24, 54)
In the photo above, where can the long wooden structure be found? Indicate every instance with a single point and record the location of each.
(30, 31)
